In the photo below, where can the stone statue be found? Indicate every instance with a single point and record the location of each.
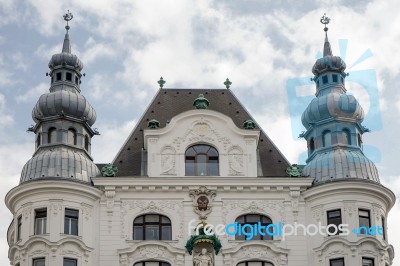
(203, 259)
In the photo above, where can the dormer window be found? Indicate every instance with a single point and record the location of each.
(58, 76)
(52, 135)
(201, 160)
(71, 136)
(346, 136)
(68, 76)
(76, 80)
(311, 145)
(325, 79)
(335, 78)
(327, 138)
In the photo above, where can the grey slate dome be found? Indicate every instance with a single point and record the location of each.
(341, 164)
(64, 102)
(328, 63)
(332, 105)
(59, 162)
(65, 58)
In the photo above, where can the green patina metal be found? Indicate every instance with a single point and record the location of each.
(227, 83)
(249, 124)
(202, 237)
(201, 102)
(161, 82)
(294, 170)
(153, 124)
(109, 170)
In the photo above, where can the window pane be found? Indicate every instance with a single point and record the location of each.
(166, 232)
(152, 218)
(74, 227)
(240, 219)
(139, 220)
(191, 152)
(336, 262)
(152, 263)
(367, 262)
(70, 262)
(72, 213)
(152, 232)
(213, 152)
(39, 262)
(255, 263)
(201, 148)
(252, 218)
(138, 232)
(165, 220)
(213, 167)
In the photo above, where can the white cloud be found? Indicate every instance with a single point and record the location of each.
(33, 93)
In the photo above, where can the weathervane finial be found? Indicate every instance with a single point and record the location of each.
(67, 17)
(325, 20)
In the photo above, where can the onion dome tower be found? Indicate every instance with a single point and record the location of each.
(63, 124)
(333, 122)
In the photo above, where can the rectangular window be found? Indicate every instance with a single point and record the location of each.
(334, 78)
(39, 262)
(70, 262)
(383, 228)
(40, 221)
(325, 79)
(58, 76)
(367, 262)
(19, 227)
(68, 76)
(334, 217)
(364, 221)
(336, 262)
(71, 220)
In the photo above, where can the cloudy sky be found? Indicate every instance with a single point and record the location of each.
(266, 48)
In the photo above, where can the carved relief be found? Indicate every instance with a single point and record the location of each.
(256, 252)
(349, 208)
(236, 161)
(86, 211)
(201, 131)
(168, 157)
(55, 207)
(253, 206)
(26, 212)
(156, 206)
(295, 194)
(318, 213)
(202, 199)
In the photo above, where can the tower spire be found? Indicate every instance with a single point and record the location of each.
(66, 45)
(327, 46)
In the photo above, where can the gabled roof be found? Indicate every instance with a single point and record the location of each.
(171, 102)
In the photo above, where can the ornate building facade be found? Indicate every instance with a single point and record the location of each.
(197, 158)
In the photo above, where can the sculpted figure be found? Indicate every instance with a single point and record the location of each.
(203, 259)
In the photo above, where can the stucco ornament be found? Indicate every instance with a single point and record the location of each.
(201, 102)
(294, 170)
(202, 201)
(109, 170)
(249, 124)
(153, 123)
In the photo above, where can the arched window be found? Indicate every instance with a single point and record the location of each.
(346, 136)
(152, 227)
(254, 219)
(71, 139)
(86, 143)
(201, 160)
(311, 145)
(327, 138)
(39, 140)
(359, 139)
(255, 263)
(52, 135)
(152, 263)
